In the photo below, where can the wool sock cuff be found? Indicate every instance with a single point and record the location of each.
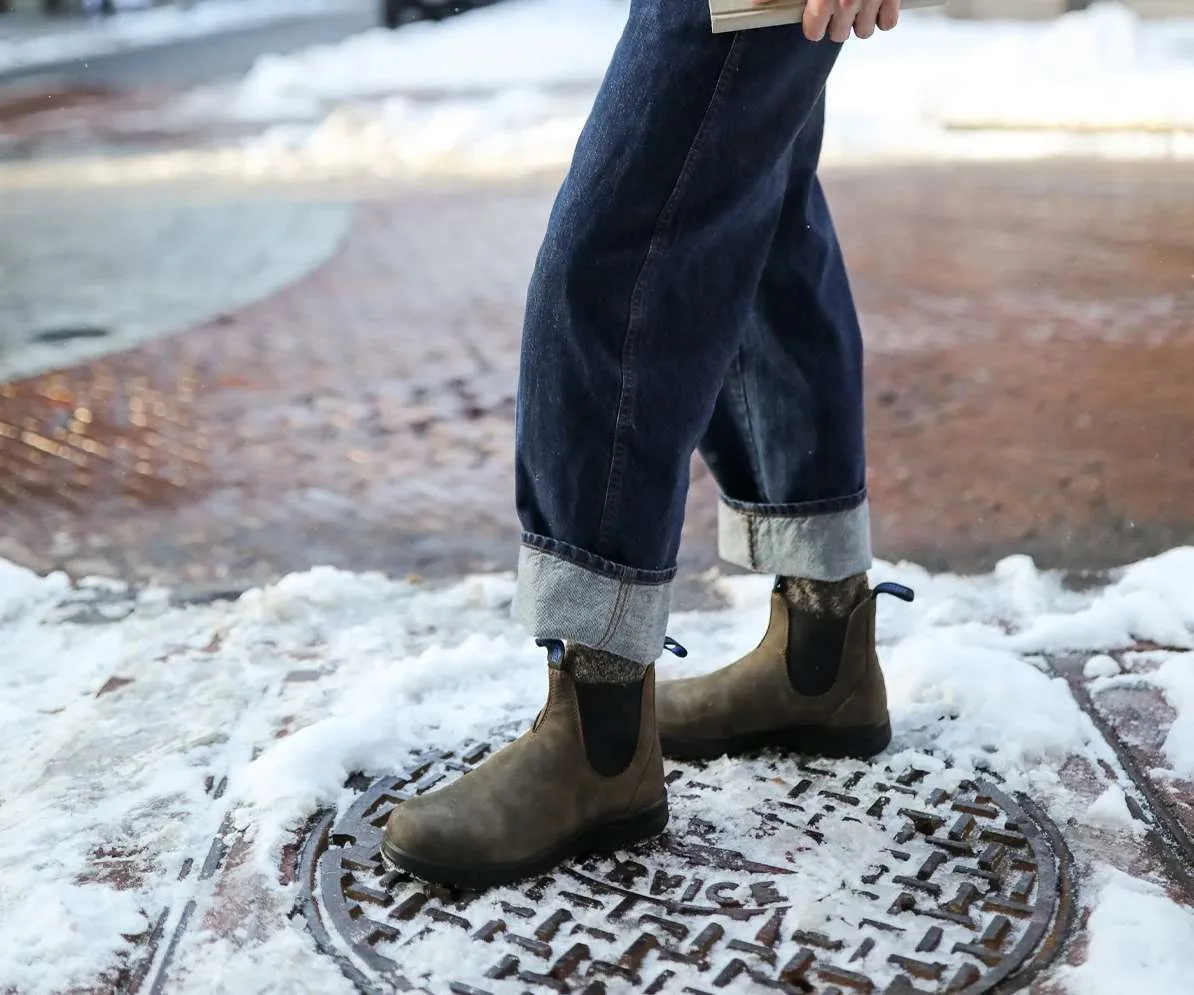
(835, 599)
(591, 666)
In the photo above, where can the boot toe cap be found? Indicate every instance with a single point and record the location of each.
(423, 828)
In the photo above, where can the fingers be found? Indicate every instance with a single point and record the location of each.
(817, 15)
(868, 18)
(842, 22)
(889, 15)
(839, 18)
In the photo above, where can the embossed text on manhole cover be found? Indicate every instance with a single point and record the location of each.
(773, 875)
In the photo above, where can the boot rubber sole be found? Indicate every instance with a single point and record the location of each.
(603, 838)
(857, 743)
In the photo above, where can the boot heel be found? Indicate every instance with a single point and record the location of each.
(644, 825)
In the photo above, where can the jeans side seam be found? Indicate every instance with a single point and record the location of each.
(614, 616)
(638, 292)
(748, 421)
(623, 606)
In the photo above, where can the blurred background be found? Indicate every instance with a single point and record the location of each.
(262, 265)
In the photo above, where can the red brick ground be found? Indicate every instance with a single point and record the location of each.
(1032, 345)
(1049, 405)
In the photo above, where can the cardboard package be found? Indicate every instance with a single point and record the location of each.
(738, 15)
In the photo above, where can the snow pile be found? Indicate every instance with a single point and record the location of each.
(1140, 941)
(1102, 69)
(507, 89)
(145, 28)
(516, 45)
(123, 717)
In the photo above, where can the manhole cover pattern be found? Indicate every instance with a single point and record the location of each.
(851, 878)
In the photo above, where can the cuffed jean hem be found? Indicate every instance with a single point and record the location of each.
(819, 540)
(569, 594)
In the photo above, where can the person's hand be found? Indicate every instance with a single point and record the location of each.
(838, 18)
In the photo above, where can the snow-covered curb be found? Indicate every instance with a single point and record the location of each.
(507, 89)
(118, 734)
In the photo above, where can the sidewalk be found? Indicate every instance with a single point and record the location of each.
(1028, 387)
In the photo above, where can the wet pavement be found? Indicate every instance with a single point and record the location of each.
(1031, 336)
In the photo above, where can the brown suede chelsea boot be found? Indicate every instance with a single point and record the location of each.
(587, 777)
(812, 686)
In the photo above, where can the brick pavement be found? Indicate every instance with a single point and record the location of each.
(1030, 341)
(1031, 359)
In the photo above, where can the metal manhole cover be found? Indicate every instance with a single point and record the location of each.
(854, 878)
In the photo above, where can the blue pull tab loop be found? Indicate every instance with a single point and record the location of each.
(895, 590)
(555, 651)
(672, 646)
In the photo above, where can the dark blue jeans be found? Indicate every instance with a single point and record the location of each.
(689, 293)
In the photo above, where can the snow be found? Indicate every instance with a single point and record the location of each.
(1110, 811)
(1175, 679)
(1140, 941)
(110, 787)
(1147, 603)
(506, 89)
(516, 45)
(1100, 665)
(144, 28)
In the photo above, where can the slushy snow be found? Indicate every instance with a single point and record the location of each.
(135, 730)
(507, 88)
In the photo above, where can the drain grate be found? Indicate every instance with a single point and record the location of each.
(943, 888)
(68, 333)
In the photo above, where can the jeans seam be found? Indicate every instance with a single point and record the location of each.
(800, 509)
(748, 421)
(585, 560)
(615, 615)
(638, 291)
